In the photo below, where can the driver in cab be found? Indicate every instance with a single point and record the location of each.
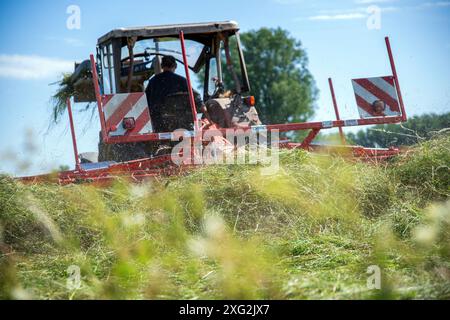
(165, 84)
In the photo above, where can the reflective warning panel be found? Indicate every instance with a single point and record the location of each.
(376, 97)
(126, 114)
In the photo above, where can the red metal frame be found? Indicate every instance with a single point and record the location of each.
(99, 99)
(74, 138)
(309, 138)
(161, 136)
(358, 152)
(336, 109)
(136, 170)
(394, 74)
(141, 169)
(188, 79)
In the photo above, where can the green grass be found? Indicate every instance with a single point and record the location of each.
(229, 232)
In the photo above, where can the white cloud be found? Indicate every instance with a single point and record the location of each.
(434, 4)
(389, 9)
(361, 11)
(31, 67)
(373, 1)
(424, 5)
(347, 14)
(287, 1)
(74, 42)
(344, 16)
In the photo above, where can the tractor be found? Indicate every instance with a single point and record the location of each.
(133, 145)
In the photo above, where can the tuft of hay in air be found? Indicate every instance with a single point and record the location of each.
(69, 87)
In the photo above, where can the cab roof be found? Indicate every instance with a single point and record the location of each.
(189, 29)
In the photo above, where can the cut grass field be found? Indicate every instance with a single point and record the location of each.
(228, 232)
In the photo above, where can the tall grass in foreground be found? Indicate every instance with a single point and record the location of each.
(228, 232)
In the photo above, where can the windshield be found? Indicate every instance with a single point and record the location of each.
(166, 46)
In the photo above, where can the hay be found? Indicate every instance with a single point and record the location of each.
(310, 231)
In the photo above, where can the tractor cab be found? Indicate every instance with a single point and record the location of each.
(127, 58)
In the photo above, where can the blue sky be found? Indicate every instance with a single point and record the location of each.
(37, 47)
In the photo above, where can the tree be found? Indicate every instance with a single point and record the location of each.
(277, 67)
(417, 129)
(63, 167)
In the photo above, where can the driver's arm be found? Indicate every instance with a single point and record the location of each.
(198, 100)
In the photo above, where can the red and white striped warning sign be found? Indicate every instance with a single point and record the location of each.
(116, 107)
(376, 97)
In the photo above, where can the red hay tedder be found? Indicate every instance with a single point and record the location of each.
(126, 58)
